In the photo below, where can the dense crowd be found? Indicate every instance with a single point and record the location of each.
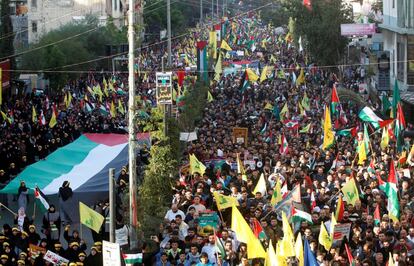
(264, 108)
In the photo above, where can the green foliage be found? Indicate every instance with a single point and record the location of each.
(195, 101)
(276, 14)
(184, 14)
(86, 46)
(320, 28)
(6, 32)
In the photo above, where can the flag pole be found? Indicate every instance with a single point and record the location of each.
(34, 209)
(1, 204)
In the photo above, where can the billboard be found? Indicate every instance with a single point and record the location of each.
(164, 87)
(357, 29)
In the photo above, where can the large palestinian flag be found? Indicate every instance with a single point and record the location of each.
(84, 163)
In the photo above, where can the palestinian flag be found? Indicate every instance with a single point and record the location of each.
(202, 60)
(334, 101)
(219, 246)
(368, 115)
(391, 191)
(132, 259)
(244, 83)
(313, 200)
(84, 163)
(377, 216)
(371, 167)
(399, 127)
(258, 230)
(298, 216)
(41, 200)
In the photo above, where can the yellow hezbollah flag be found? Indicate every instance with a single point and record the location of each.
(281, 260)
(253, 77)
(283, 111)
(271, 259)
(53, 120)
(263, 75)
(34, 115)
(90, 218)
(287, 243)
(240, 168)
(324, 238)
(224, 45)
(277, 193)
(301, 79)
(224, 202)
(385, 138)
(261, 185)
(268, 106)
(362, 153)
(213, 44)
(244, 234)
(121, 107)
(328, 134)
(350, 191)
(218, 69)
(196, 165)
(113, 110)
(299, 250)
(209, 97)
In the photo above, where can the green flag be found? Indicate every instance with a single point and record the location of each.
(385, 104)
(395, 98)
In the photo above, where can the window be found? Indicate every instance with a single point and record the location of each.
(34, 3)
(34, 26)
(400, 61)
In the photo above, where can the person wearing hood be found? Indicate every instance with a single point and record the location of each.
(34, 237)
(51, 224)
(94, 258)
(23, 196)
(74, 238)
(65, 202)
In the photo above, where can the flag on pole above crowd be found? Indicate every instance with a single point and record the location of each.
(41, 199)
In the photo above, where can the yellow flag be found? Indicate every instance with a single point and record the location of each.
(287, 243)
(5, 118)
(301, 110)
(196, 165)
(324, 238)
(271, 259)
(268, 106)
(301, 79)
(253, 77)
(362, 153)
(245, 234)
(224, 202)
(263, 75)
(113, 110)
(305, 102)
(53, 120)
(277, 193)
(328, 134)
(34, 115)
(350, 191)
(332, 227)
(283, 111)
(390, 260)
(91, 91)
(224, 45)
(209, 97)
(1, 86)
(98, 91)
(69, 100)
(305, 129)
(65, 100)
(385, 138)
(213, 44)
(105, 84)
(299, 250)
(280, 258)
(90, 218)
(121, 107)
(261, 186)
(218, 69)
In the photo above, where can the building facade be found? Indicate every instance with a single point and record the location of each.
(47, 15)
(398, 36)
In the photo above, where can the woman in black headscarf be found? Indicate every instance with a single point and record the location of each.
(23, 196)
(65, 196)
(51, 224)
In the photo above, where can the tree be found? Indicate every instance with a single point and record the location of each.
(319, 28)
(6, 33)
(88, 45)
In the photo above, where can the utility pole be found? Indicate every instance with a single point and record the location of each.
(201, 13)
(169, 31)
(111, 205)
(131, 130)
(212, 9)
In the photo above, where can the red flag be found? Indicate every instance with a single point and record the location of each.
(307, 4)
(349, 254)
(339, 213)
(180, 77)
(335, 98)
(400, 116)
(385, 122)
(258, 230)
(392, 178)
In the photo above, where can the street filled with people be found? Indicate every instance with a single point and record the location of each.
(283, 171)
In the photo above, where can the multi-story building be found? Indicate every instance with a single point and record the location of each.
(398, 36)
(47, 15)
(18, 11)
